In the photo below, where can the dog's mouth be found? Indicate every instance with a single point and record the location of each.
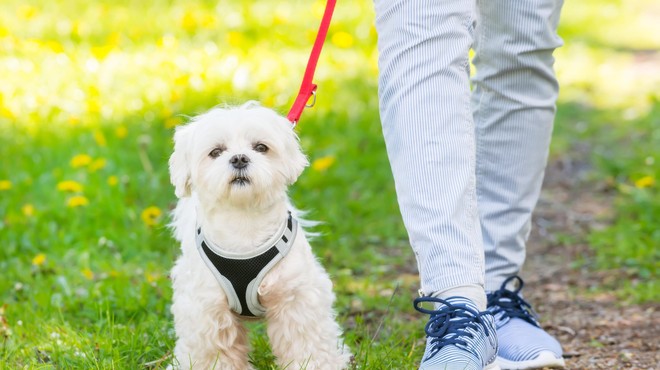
(240, 181)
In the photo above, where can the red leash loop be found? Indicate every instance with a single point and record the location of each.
(308, 88)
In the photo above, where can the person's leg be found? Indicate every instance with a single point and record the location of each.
(514, 98)
(429, 133)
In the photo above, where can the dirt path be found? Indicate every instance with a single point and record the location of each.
(597, 330)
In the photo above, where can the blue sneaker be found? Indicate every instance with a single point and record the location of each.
(459, 337)
(523, 343)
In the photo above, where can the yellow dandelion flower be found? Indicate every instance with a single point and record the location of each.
(151, 278)
(55, 46)
(175, 95)
(39, 259)
(87, 273)
(342, 39)
(280, 19)
(645, 182)
(28, 210)
(93, 105)
(97, 164)
(77, 201)
(101, 52)
(235, 38)
(323, 163)
(80, 160)
(69, 185)
(113, 180)
(6, 112)
(121, 132)
(100, 138)
(182, 80)
(5, 184)
(114, 39)
(151, 215)
(189, 21)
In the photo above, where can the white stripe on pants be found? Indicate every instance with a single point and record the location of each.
(467, 166)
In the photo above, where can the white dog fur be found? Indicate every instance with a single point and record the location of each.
(240, 216)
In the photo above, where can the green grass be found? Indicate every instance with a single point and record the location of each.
(87, 287)
(631, 242)
(624, 153)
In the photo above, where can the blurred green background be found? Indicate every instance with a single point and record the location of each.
(90, 92)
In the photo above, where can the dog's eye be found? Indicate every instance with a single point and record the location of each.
(215, 153)
(261, 148)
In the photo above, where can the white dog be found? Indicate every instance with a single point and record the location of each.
(231, 168)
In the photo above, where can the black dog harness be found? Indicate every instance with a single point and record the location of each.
(240, 275)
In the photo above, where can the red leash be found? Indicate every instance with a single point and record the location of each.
(308, 88)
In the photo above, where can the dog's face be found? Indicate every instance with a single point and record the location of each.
(247, 154)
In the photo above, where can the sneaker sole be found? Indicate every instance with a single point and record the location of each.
(543, 360)
(493, 366)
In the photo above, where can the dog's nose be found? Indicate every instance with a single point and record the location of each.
(239, 161)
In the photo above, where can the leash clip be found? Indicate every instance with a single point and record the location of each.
(313, 100)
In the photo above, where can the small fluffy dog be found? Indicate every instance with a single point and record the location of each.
(243, 254)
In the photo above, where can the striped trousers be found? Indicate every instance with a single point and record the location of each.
(467, 163)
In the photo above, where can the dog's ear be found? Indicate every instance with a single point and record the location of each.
(296, 160)
(180, 174)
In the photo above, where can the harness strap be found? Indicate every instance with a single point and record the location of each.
(240, 275)
(308, 88)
